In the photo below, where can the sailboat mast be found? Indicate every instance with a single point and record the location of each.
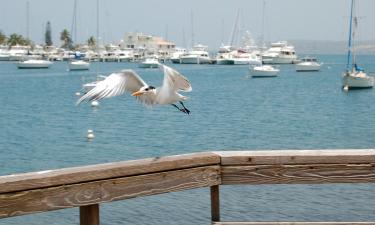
(263, 9)
(350, 37)
(192, 29)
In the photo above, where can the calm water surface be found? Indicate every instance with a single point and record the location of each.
(41, 128)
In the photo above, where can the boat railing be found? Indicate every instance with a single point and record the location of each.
(88, 186)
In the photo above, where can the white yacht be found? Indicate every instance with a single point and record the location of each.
(149, 63)
(280, 53)
(354, 77)
(78, 65)
(176, 55)
(264, 71)
(198, 55)
(34, 64)
(237, 57)
(4, 53)
(308, 64)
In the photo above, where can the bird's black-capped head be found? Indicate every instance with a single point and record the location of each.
(143, 90)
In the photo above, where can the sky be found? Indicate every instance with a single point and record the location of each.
(213, 20)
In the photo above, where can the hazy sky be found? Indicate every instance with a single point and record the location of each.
(213, 20)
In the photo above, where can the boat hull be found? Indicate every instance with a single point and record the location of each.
(148, 65)
(225, 61)
(195, 60)
(357, 82)
(32, 65)
(79, 66)
(307, 67)
(261, 72)
(278, 60)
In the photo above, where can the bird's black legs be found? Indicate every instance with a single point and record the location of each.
(184, 110)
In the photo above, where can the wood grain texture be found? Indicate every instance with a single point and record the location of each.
(89, 215)
(293, 223)
(215, 203)
(287, 157)
(66, 196)
(299, 174)
(50, 178)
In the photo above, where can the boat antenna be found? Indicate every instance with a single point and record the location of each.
(350, 36)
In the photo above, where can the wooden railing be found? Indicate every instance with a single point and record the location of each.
(86, 187)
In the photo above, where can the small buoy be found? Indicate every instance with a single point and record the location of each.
(94, 103)
(90, 134)
(346, 88)
(78, 93)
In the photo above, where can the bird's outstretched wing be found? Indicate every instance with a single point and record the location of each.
(114, 85)
(174, 81)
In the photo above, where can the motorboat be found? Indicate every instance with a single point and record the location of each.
(279, 53)
(34, 64)
(264, 71)
(176, 56)
(198, 55)
(308, 64)
(149, 63)
(354, 77)
(78, 65)
(237, 57)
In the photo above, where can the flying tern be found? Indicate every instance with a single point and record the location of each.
(129, 81)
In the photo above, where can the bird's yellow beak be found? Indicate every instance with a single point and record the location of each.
(137, 93)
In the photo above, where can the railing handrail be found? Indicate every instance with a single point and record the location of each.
(88, 186)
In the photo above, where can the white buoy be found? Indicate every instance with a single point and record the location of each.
(94, 103)
(90, 134)
(78, 93)
(346, 88)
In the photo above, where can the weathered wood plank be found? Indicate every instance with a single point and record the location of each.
(298, 174)
(89, 215)
(66, 196)
(215, 203)
(67, 176)
(293, 223)
(355, 156)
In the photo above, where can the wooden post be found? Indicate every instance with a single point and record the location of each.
(215, 203)
(89, 215)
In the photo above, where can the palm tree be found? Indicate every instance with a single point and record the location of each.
(3, 38)
(17, 39)
(65, 37)
(91, 42)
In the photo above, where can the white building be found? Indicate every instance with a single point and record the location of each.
(148, 43)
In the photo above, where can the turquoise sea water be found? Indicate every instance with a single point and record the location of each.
(41, 128)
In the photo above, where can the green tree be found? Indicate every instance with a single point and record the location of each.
(3, 38)
(65, 37)
(91, 42)
(48, 35)
(17, 39)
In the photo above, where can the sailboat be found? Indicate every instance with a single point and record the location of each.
(77, 63)
(263, 70)
(354, 77)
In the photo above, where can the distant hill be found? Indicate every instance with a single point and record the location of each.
(331, 47)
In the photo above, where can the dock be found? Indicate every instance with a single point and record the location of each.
(87, 187)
